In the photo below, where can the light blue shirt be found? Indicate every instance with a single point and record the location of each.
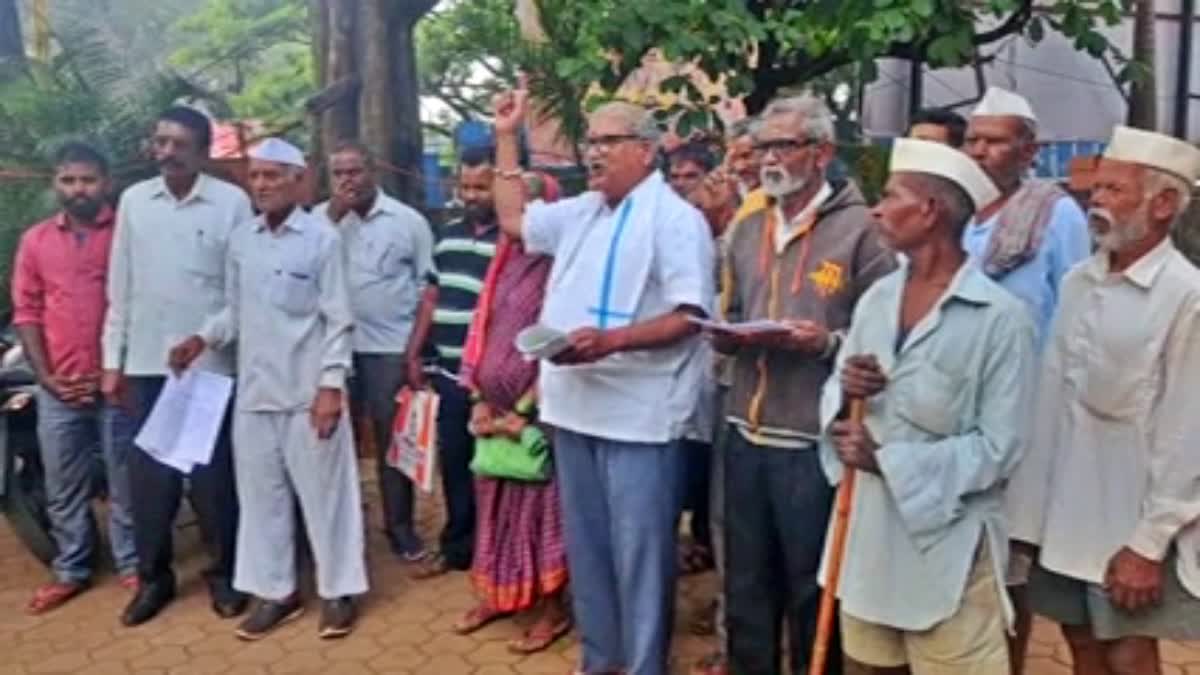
(951, 426)
(1037, 282)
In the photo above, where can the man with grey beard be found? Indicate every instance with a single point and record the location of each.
(1116, 431)
(804, 260)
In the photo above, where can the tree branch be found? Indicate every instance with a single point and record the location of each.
(1013, 24)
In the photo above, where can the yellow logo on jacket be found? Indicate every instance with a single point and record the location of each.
(828, 278)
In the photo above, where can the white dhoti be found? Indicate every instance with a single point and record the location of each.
(278, 458)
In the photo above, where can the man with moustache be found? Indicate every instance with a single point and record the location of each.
(288, 308)
(943, 359)
(687, 166)
(1112, 493)
(389, 254)
(1026, 241)
(804, 261)
(461, 257)
(633, 263)
(58, 310)
(742, 164)
(166, 273)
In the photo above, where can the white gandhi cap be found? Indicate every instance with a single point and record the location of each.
(1157, 151)
(999, 102)
(279, 151)
(910, 155)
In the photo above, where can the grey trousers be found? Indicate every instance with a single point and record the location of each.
(377, 378)
(278, 458)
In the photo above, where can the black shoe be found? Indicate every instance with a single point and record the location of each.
(150, 599)
(268, 615)
(337, 618)
(226, 602)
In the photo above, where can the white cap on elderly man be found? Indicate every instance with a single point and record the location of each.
(997, 102)
(910, 155)
(1157, 151)
(279, 151)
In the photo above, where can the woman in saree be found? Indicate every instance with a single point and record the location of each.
(520, 561)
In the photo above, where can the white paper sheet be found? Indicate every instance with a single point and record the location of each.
(183, 424)
(744, 328)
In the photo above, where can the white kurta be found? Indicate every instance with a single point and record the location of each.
(288, 308)
(613, 267)
(1114, 461)
(951, 428)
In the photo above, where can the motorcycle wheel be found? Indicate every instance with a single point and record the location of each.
(22, 514)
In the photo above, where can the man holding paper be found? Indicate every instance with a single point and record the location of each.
(165, 273)
(287, 306)
(632, 261)
(803, 261)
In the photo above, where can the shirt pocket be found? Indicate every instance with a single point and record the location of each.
(294, 288)
(206, 262)
(1115, 393)
(930, 400)
(381, 257)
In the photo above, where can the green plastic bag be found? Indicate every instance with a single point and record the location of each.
(502, 457)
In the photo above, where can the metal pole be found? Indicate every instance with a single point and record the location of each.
(1183, 80)
(916, 88)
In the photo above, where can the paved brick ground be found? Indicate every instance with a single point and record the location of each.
(404, 628)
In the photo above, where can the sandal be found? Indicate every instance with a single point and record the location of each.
(431, 566)
(539, 637)
(52, 595)
(475, 619)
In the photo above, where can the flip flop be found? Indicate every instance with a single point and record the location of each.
(539, 637)
(476, 619)
(431, 566)
(52, 595)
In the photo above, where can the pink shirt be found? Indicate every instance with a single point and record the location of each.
(59, 284)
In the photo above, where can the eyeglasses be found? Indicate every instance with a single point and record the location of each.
(781, 146)
(606, 143)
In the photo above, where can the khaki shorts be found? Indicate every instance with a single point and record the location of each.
(971, 642)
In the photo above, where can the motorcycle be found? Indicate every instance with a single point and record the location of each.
(22, 475)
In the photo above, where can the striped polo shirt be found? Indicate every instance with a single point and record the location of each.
(461, 258)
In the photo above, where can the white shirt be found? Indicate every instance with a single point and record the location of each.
(287, 305)
(790, 229)
(167, 272)
(642, 396)
(1114, 461)
(950, 429)
(389, 257)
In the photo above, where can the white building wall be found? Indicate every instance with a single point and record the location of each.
(1074, 96)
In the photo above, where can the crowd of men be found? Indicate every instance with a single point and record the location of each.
(1023, 367)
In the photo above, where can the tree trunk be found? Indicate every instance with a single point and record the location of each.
(341, 120)
(1143, 94)
(12, 46)
(406, 140)
(375, 101)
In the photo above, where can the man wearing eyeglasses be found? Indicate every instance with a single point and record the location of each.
(804, 261)
(633, 262)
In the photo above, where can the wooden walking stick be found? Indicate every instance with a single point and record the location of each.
(837, 551)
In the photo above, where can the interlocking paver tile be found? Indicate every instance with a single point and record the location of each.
(447, 664)
(61, 662)
(403, 630)
(207, 664)
(161, 657)
(354, 648)
(397, 658)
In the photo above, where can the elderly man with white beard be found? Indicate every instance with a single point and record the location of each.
(1110, 489)
(805, 260)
